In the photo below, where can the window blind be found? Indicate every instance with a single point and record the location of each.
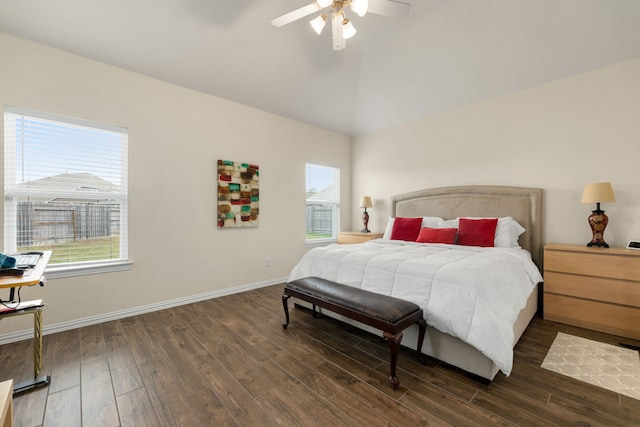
(65, 187)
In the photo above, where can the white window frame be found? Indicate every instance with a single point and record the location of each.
(335, 204)
(12, 191)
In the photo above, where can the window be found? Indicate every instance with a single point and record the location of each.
(65, 187)
(323, 202)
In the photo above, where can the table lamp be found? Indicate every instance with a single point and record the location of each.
(365, 202)
(600, 192)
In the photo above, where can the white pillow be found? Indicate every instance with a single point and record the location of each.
(507, 232)
(449, 223)
(432, 222)
(387, 231)
(427, 221)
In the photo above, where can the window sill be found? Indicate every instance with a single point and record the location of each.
(83, 269)
(319, 242)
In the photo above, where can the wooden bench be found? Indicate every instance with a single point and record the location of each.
(389, 314)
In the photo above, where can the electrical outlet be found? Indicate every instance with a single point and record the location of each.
(267, 262)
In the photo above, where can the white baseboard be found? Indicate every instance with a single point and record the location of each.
(87, 321)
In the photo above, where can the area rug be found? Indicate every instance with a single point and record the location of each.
(604, 365)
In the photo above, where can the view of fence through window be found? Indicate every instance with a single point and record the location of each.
(65, 187)
(323, 201)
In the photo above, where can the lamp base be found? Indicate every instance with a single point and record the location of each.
(365, 222)
(598, 222)
(598, 244)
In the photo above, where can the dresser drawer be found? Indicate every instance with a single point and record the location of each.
(599, 264)
(612, 319)
(595, 288)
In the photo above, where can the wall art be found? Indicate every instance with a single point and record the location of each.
(238, 194)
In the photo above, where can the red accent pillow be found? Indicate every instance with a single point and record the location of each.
(406, 229)
(437, 235)
(477, 232)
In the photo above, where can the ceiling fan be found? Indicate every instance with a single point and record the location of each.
(341, 26)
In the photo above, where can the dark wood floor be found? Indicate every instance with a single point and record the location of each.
(227, 361)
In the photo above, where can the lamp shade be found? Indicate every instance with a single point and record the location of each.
(324, 3)
(365, 202)
(600, 192)
(318, 23)
(360, 7)
(348, 30)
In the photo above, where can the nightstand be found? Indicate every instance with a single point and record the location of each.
(350, 237)
(594, 288)
(6, 403)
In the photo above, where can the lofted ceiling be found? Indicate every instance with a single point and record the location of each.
(443, 54)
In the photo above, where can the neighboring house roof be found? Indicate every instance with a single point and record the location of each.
(72, 181)
(329, 194)
(82, 183)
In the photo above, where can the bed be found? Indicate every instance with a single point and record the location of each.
(469, 350)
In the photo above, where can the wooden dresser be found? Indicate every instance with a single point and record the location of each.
(594, 288)
(350, 237)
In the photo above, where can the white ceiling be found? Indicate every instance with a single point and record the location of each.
(444, 54)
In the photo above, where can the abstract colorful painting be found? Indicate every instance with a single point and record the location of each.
(238, 194)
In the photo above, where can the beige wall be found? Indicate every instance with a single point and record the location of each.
(176, 136)
(559, 137)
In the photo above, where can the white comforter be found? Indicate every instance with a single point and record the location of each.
(469, 292)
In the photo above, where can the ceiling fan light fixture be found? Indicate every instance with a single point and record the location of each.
(341, 28)
(360, 7)
(318, 23)
(348, 30)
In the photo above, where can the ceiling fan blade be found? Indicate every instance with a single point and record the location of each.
(392, 8)
(296, 14)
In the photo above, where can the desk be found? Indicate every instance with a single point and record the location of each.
(31, 277)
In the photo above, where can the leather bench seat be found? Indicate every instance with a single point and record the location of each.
(389, 314)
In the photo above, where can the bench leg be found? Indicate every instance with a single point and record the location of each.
(285, 304)
(394, 345)
(422, 325)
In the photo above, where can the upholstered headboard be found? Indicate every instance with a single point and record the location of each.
(523, 204)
